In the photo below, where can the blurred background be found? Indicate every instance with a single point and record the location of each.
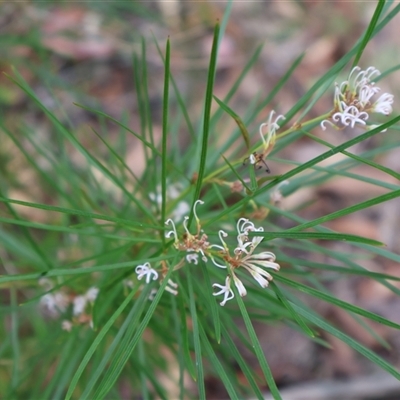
(84, 52)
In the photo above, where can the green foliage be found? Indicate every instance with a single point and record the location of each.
(105, 223)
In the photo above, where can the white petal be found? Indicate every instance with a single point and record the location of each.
(239, 285)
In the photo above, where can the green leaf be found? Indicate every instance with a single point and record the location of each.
(339, 303)
(369, 32)
(346, 211)
(212, 304)
(257, 348)
(96, 343)
(196, 340)
(238, 120)
(117, 366)
(164, 154)
(318, 321)
(237, 175)
(191, 369)
(78, 271)
(217, 365)
(308, 331)
(316, 235)
(248, 373)
(355, 157)
(82, 213)
(313, 162)
(206, 120)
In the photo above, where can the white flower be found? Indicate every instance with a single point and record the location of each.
(384, 104)
(225, 290)
(197, 243)
(147, 271)
(239, 285)
(171, 287)
(244, 226)
(192, 258)
(92, 293)
(66, 325)
(245, 256)
(353, 100)
(366, 93)
(79, 305)
(272, 127)
(350, 116)
(173, 232)
(223, 249)
(55, 303)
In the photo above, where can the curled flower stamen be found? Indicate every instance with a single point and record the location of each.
(173, 232)
(195, 212)
(272, 127)
(221, 235)
(326, 121)
(191, 243)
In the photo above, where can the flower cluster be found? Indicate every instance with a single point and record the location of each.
(195, 245)
(353, 99)
(192, 244)
(57, 303)
(243, 256)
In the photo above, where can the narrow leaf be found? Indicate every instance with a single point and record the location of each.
(164, 154)
(206, 120)
(238, 121)
(316, 235)
(369, 32)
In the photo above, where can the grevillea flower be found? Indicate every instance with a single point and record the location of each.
(268, 140)
(272, 126)
(172, 287)
(245, 257)
(55, 303)
(79, 305)
(192, 244)
(353, 100)
(145, 270)
(225, 290)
